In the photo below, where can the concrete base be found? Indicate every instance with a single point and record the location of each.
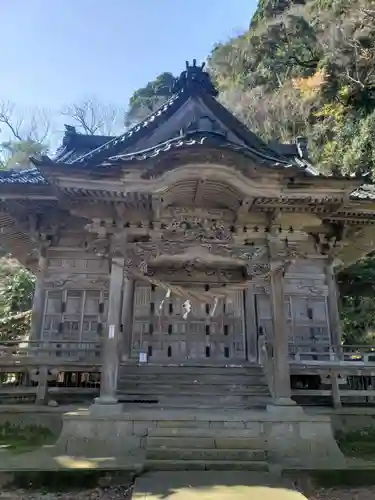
(287, 409)
(102, 409)
(88, 435)
(302, 440)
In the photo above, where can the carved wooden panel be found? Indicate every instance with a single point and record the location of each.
(207, 333)
(60, 262)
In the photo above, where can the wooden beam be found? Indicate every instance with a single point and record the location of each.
(199, 191)
(26, 196)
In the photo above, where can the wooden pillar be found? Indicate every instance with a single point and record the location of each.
(333, 305)
(38, 301)
(42, 387)
(251, 325)
(110, 347)
(127, 317)
(280, 352)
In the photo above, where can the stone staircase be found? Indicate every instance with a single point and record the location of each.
(193, 386)
(200, 448)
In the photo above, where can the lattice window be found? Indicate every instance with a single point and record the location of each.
(75, 314)
(310, 320)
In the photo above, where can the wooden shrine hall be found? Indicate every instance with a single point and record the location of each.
(186, 240)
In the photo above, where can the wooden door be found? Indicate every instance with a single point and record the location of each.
(161, 331)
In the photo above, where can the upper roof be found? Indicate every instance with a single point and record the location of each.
(192, 109)
(191, 118)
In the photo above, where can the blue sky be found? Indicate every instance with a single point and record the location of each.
(56, 52)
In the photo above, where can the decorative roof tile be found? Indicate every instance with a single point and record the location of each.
(194, 139)
(27, 176)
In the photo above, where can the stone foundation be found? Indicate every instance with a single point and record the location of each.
(287, 439)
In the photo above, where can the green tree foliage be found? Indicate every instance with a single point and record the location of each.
(147, 99)
(23, 133)
(16, 154)
(16, 294)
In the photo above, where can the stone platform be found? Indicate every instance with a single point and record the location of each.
(186, 439)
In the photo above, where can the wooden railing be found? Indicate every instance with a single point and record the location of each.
(363, 354)
(341, 374)
(42, 371)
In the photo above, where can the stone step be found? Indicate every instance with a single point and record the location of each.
(191, 405)
(207, 441)
(193, 390)
(176, 400)
(214, 380)
(221, 465)
(254, 430)
(191, 369)
(205, 454)
(169, 430)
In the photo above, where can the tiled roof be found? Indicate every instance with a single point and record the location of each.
(75, 145)
(193, 83)
(119, 143)
(79, 150)
(27, 176)
(91, 151)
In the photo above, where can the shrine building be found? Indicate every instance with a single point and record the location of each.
(185, 241)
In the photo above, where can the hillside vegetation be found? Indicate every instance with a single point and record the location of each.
(306, 69)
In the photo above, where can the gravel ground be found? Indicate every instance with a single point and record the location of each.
(123, 493)
(344, 494)
(111, 493)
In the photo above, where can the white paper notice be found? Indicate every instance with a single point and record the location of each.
(142, 357)
(111, 331)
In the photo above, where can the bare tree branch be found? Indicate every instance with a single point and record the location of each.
(6, 118)
(93, 117)
(24, 125)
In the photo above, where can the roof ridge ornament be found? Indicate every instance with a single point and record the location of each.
(194, 80)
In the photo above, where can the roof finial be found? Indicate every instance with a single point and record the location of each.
(70, 129)
(194, 80)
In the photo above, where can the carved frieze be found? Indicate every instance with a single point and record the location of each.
(97, 244)
(196, 229)
(307, 290)
(61, 282)
(193, 272)
(314, 291)
(262, 289)
(189, 213)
